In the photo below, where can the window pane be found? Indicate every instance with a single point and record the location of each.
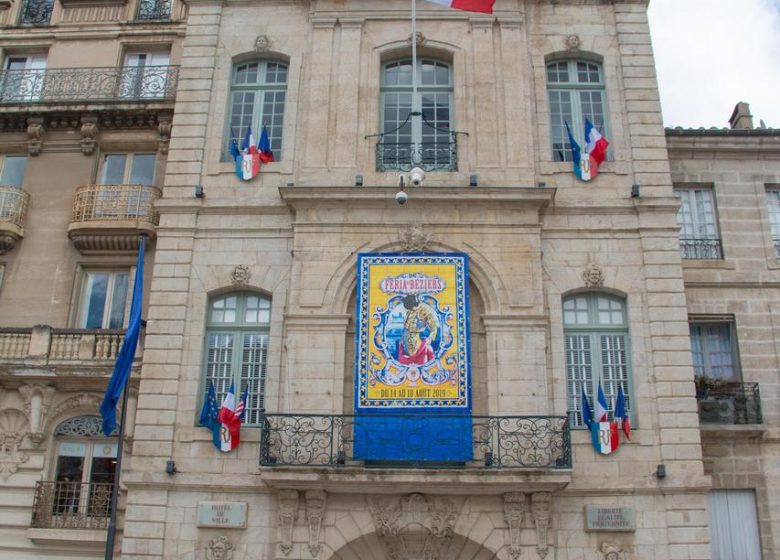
(253, 362)
(773, 207)
(224, 310)
(118, 301)
(114, 169)
(579, 372)
(13, 171)
(95, 298)
(218, 362)
(614, 369)
(560, 115)
(142, 169)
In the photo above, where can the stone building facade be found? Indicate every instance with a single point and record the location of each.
(86, 104)
(571, 283)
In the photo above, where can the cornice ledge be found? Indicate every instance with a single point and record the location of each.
(514, 322)
(331, 322)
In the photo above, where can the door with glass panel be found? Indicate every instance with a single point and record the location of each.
(23, 78)
(103, 299)
(144, 75)
(123, 178)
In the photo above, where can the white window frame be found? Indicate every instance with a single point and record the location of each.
(773, 212)
(221, 371)
(24, 84)
(584, 357)
(574, 87)
(261, 88)
(700, 235)
(145, 74)
(83, 296)
(702, 342)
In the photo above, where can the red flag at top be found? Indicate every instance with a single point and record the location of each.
(481, 6)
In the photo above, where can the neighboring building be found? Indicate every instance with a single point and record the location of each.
(632, 281)
(87, 95)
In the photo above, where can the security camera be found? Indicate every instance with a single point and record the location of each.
(401, 181)
(416, 176)
(401, 197)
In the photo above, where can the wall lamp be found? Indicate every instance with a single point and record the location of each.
(170, 467)
(660, 471)
(358, 180)
(634, 191)
(541, 185)
(199, 192)
(473, 180)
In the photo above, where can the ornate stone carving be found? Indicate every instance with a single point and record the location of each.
(593, 276)
(89, 402)
(240, 275)
(514, 510)
(315, 509)
(89, 133)
(421, 39)
(13, 428)
(573, 42)
(263, 44)
(219, 548)
(37, 400)
(164, 128)
(288, 511)
(415, 526)
(540, 509)
(35, 132)
(415, 238)
(611, 552)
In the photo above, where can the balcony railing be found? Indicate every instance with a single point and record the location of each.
(13, 205)
(71, 505)
(116, 203)
(37, 12)
(90, 85)
(705, 249)
(499, 442)
(429, 156)
(154, 10)
(47, 345)
(730, 403)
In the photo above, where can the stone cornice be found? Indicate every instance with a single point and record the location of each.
(711, 144)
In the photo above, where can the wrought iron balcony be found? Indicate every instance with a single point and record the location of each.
(37, 12)
(499, 442)
(730, 403)
(89, 85)
(154, 10)
(705, 249)
(13, 209)
(111, 217)
(71, 505)
(429, 156)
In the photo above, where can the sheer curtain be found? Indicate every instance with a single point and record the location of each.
(734, 525)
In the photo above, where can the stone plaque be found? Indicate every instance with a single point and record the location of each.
(229, 515)
(599, 518)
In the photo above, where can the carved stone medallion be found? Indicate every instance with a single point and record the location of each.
(263, 44)
(220, 548)
(611, 552)
(415, 238)
(573, 42)
(240, 275)
(593, 276)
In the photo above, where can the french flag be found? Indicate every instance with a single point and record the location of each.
(481, 6)
(601, 412)
(231, 414)
(588, 158)
(266, 155)
(621, 416)
(250, 157)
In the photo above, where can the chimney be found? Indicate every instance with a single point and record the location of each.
(741, 117)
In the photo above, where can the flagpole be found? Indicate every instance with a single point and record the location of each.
(415, 102)
(111, 535)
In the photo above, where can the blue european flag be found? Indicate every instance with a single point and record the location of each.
(208, 416)
(124, 361)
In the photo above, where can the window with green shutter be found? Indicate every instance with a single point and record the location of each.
(596, 345)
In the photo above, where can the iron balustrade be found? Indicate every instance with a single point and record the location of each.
(699, 248)
(71, 505)
(13, 205)
(777, 247)
(154, 10)
(88, 85)
(37, 12)
(429, 156)
(730, 403)
(499, 442)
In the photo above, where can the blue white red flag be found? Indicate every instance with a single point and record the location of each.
(248, 158)
(586, 165)
(230, 416)
(602, 411)
(266, 155)
(208, 416)
(481, 6)
(605, 437)
(621, 417)
(124, 360)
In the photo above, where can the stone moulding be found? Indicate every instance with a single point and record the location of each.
(288, 511)
(541, 510)
(315, 509)
(514, 510)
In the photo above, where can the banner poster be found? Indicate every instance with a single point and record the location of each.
(412, 378)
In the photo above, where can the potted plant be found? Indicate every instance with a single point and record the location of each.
(705, 384)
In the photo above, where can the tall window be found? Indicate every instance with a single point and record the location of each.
(12, 170)
(36, 12)
(145, 75)
(23, 77)
(773, 208)
(576, 92)
(427, 140)
(714, 350)
(237, 348)
(596, 340)
(734, 525)
(103, 299)
(699, 237)
(258, 92)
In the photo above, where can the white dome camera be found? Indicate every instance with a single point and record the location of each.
(416, 176)
(401, 197)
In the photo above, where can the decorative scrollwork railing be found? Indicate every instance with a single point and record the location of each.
(116, 203)
(697, 248)
(498, 442)
(154, 10)
(13, 205)
(429, 156)
(37, 12)
(730, 403)
(71, 505)
(89, 85)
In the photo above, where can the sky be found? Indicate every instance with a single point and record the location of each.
(710, 54)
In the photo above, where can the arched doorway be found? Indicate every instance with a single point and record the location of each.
(371, 547)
